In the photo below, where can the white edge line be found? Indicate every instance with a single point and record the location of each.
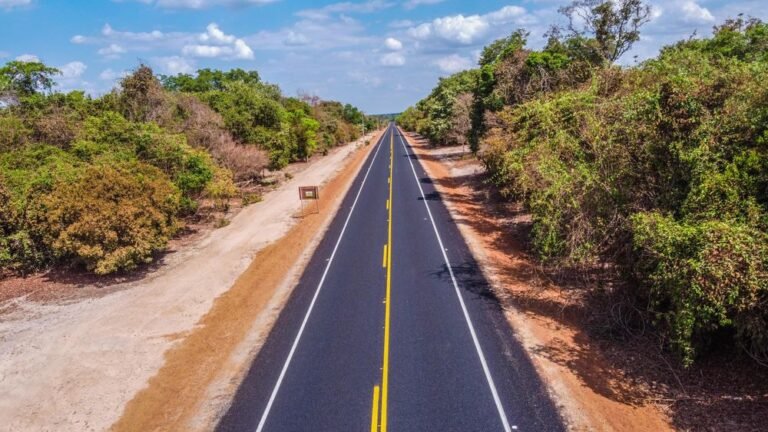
(480, 354)
(317, 292)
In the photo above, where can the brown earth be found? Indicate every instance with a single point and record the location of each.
(175, 394)
(601, 378)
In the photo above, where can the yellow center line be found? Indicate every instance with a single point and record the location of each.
(387, 308)
(380, 411)
(384, 259)
(375, 415)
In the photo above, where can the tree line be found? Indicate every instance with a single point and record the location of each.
(658, 170)
(104, 183)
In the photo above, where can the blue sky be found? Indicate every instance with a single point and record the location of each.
(381, 55)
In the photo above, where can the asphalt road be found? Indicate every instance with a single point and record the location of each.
(392, 327)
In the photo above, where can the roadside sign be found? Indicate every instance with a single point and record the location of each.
(308, 193)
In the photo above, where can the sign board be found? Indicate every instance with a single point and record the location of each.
(309, 193)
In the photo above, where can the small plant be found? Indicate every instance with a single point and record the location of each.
(251, 198)
(221, 223)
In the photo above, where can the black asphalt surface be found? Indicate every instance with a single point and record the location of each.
(324, 380)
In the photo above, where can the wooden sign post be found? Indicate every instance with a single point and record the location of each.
(309, 193)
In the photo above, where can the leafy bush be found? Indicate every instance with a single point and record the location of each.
(705, 277)
(102, 182)
(660, 169)
(110, 217)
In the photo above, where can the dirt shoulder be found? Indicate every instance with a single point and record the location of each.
(149, 348)
(591, 393)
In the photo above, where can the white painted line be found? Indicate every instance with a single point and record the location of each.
(479, 350)
(272, 397)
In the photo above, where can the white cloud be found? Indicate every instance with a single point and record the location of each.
(202, 4)
(393, 59)
(109, 32)
(213, 34)
(28, 58)
(393, 44)
(174, 65)
(217, 44)
(325, 12)
(454, 63)
(112, 50)
(72, 70)
(411, 4)
(296, 39)
(693, 12)
(467, 30)
(9, 4)
(111, 75)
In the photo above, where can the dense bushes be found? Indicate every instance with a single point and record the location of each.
(110, 216)
(660, 168)
(257, 114)
(105, 183)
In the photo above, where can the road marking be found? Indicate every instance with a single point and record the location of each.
(388, 299)
(280, 378)
(384, 258)
(375, 410)
(479, 350)
(387, 204)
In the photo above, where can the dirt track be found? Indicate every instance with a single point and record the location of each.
(74, 367)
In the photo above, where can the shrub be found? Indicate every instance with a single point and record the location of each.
(14, 133)
(111, 217)
(703, 278)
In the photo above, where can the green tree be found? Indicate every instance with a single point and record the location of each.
(614, 25)
(21, 79)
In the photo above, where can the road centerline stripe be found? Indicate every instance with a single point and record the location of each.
(388, 298)
(375, 410)
(287, 363)
(475, 340)
(384, 258)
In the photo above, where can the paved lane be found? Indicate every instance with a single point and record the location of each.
(437, 356)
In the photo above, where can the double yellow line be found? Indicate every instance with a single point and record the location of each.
(379, 410)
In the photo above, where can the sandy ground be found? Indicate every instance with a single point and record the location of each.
(74, 366)
(591, 395)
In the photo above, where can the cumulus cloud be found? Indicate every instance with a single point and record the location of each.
(28, 58)
(109, 32)
(693, 12)
(454, 63)
(467, 30)
(111, 75)
(393, 44)
(215, 43)
(393, 59)
(174, 65)
(296, 39)
(112, 50)
(72, 70)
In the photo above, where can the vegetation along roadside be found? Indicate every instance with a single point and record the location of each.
(650, 181)
(103, 183)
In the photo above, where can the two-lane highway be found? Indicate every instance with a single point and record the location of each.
(391, 327)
